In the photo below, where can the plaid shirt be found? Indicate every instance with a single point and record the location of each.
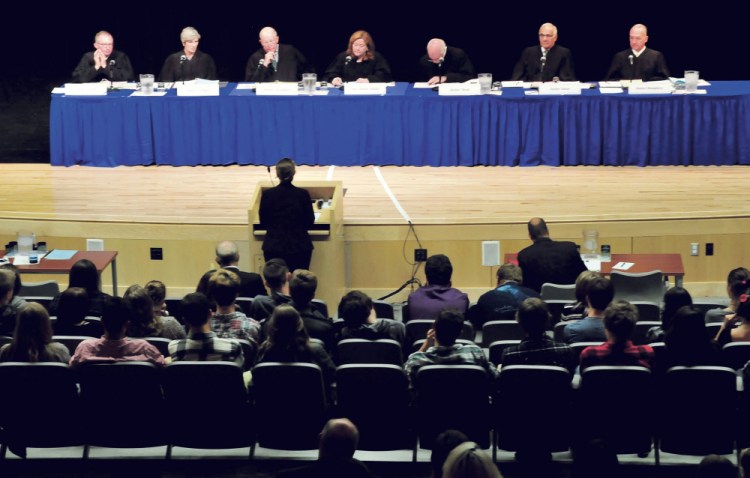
(612, 354)
(539, 351)
(456, 354)
(206, 347)
(235, 326)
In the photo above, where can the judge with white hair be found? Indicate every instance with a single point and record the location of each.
(275, 61)
(444, 64)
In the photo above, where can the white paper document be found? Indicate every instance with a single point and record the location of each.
(610, 91)
(423, 84)
(154, 93)
(513, 84)
(686, 92)
(623, 266)
(245, 86)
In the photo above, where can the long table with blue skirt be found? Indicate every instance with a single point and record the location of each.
(408, 126)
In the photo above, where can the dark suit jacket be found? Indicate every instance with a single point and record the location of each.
(120, 70)
(375, 70)
(456, 67)
(650, 65)
(200, 66)
(251, 284)
(329, 468)
(559, 64)
(290, 67)
(286, 214)
(546, 260)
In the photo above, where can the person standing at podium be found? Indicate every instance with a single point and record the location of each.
(286, 214)
(638, 62)
(190, 63)
(104, 63)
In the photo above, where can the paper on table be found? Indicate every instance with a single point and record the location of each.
(512, 84)
(20, 260)
(610, 84)
(59, 90)
(245, 86)
(423, 84)
(495, 93)
(155, 93)
(609, 91)
(686, 92)
(531, 92)
(60, 254)
(623, 266)
(592, 263)
(124, 85)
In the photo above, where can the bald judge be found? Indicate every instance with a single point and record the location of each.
(445, 64)
(638, 62)
(275, 61)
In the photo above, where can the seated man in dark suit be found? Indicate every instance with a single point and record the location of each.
(546, 260)
(445, 64)
(502, 302)
(227, 257)
(275, 61)
(638, 62)
(545, 61)
(302, 287)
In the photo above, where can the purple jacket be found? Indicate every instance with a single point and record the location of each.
(427, 302)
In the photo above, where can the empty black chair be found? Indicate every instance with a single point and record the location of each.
(417, 330)
(384, 351)
(383, 309)
(641, 330)
(44, 300)
(71, 341)
(453, 397)
(647, 311)
(495, 330)
(48, 288)
(160, 343)
(735, 355)
(375, 397)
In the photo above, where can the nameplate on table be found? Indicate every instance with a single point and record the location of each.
(197, 89)
(656, 88)
(86, 89)
(562, 88)
(459, 89)
(277, 88)
(365, 89)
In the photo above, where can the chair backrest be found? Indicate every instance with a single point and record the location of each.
(709, 304)
(44, 300)
(577, 348)
(173, 307)
(417, 330)
(522, 395)
(641, 329)
(647, 311)
(497, 348)
(558, 331)
(735, 355)
(5, 339)
(621, 392)
(552, 291)
(383, 309)
(361, 351)
(126, 391)
(39, 405)
(453, 397)
(244, 303)
(376, 398)
(712, 329)
(495, 330)
(417, 344)
(48, 288)
(687, 426)
(643, 286)
(160, 343)
(320, 306)
(658, 365)
(292, 399)
(70, 341)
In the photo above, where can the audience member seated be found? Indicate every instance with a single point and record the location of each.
(228, 257)
(736, 328)
(427, 301)
(441, 448)
(467, 460)
(276, 275)
(201, 343)
(84, 274)
(591, 329)
(71, 314)
(502, 303)
(557, 262)
(288, 341)
(228, 322)
(578, 309)
(674, 299)
(338, 442)
(17, 301)
(361, 322)
(736, 285)
(595, 459)
(115, 346)
(143, 321)
(32, 339)
(716, 466)
(441, 348)
(687, 342)
(745, 462)
(619, 322)
(537, 348)
(302, 287)
(158, 293)
(7, 311)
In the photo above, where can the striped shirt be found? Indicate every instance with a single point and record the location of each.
(206, 347)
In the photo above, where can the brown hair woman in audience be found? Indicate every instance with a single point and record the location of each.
(144, 322)
(158, 293)
(359, 63)
(84, 274)
(736, 328)
(674, 299)
(71, 315)
(735, 286)
(32, 339)
(687, 342)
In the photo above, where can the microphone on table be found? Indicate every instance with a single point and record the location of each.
(268, 168)
(543, 59)
(112, 64)
(440, 69)
(261, 63)
(630, 57)
(632, 70)
(183, 59)
(347, 60)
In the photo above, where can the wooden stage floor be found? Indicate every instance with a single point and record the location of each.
(448, 195)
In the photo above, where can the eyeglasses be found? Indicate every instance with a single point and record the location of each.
(546, 35)
(104, 44)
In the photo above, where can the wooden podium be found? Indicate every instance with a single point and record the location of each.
(328, 259)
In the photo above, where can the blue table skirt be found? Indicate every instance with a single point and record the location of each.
(406, 127)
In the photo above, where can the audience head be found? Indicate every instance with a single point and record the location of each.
(619, 320)
(268, 39)
(743, 306)
(674, 299)
(509, 273)
(285, 170)
(448, 326)
(638, 37)
(115, 317)
(600, 293)
(716, 466)
(355, 308)
(302, 287)
(338, 439)
(436, 49)
(7, 285)
(533, 316)
(196, 309)
(202, 286)
(157, 291)
(84, 274)
(537, 228)
(738, 283)
(72, 307)
(32, 333)
(223, 287)
(467, 460)
(441, 448)
(438, 270)
(17, 284)
(227, 254)
(583, 281)
(276, 274)
(688, 330)
(285, 327)
(142, 319)
(361, 45)
(547, 36)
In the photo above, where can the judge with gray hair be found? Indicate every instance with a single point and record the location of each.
(188, 63)
(275, 61)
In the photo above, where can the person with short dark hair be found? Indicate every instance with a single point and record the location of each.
(502, 302)
(537, 348)
(276, 275)
(441, 347)
(716, 466)
(444, 443)
(71, 314)
(427, 301)
(32, 339)
(302, 288)
(228, 257)
(228, 322)
(361, 322)
(674, 299)
(591, 329)
(557, 262)
(619, 322)
(578, 310)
